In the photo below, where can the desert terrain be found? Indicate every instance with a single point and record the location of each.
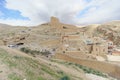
(59, 51)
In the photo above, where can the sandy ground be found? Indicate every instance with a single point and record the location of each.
(115, 63)
(113, 58)
(95, 77)
(99, 58)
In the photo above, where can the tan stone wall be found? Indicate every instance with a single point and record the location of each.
(71, 37)
(89, 48)
(55, 23)
(74, 37)
(68, 34)
(54, 20)
(97, 40)
(65, 40)
(108, 68)
(103, 49)
(98, 49)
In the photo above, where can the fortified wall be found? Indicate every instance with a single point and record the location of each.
(63, 28)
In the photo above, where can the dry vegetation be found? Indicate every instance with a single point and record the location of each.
(21, 66)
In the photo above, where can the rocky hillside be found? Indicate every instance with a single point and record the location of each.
(109, 31)
(31, 36)
(15, 65)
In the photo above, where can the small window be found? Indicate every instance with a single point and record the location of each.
(103, 50)
(66, 49)
(64, 27)
(96, 49)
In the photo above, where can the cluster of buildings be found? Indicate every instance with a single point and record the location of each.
(74, 40)
(100, 46)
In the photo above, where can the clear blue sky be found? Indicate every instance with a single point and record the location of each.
(79, 12)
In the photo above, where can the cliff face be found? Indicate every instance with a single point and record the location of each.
(108, 31)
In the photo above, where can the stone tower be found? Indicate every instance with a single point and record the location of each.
(55, 23)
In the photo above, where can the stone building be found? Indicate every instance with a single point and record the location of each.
(70, 43)
(110, 47)
(71, 40)
(63, 28)
(99, 49)
(98, 46)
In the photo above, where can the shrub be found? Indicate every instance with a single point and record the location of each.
(1, 71)
(26, 50)
(35, 52)
(22, 49)
(69, 63)
(46, 52)
(65, 78)
(60, 72)
(90, 70)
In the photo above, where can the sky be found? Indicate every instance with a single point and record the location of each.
(77, 12)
